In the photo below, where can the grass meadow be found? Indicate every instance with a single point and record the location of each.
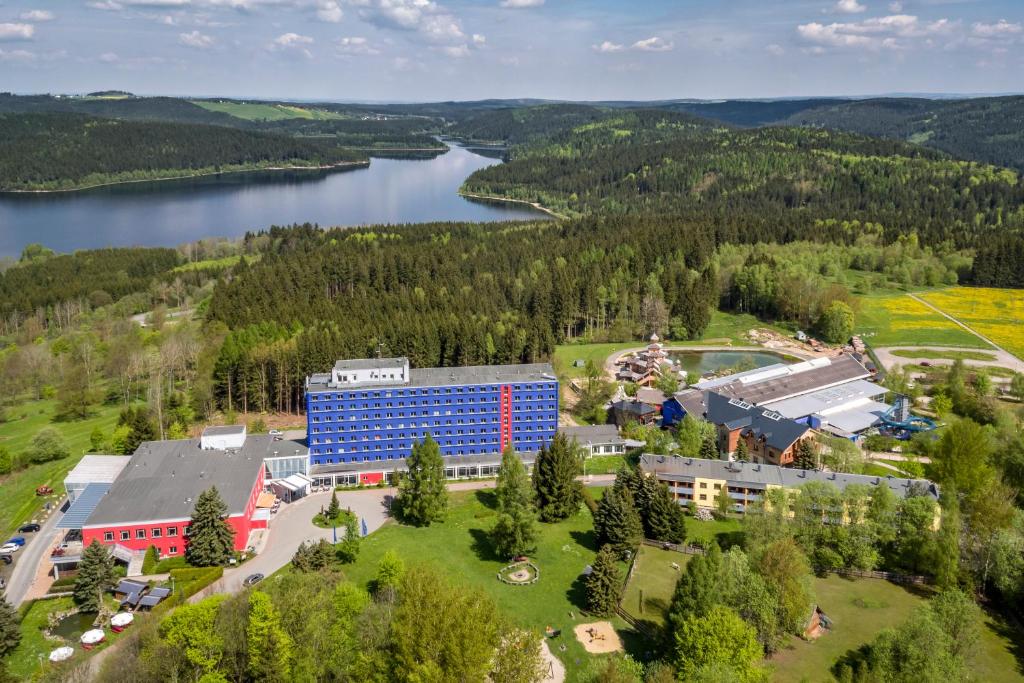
(899, 320)
(998, 314)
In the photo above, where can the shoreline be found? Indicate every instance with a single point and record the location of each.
(536, 205)
(343, 164)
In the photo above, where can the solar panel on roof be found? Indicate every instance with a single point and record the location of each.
(83, 506)
(149, 601)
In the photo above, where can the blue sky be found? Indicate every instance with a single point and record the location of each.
(416, 50)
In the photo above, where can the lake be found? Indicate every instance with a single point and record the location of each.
(168, 213)
(703, 362)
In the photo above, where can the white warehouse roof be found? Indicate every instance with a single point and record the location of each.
(97, 469)
(825, 402)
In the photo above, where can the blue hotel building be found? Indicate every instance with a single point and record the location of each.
(374, 410)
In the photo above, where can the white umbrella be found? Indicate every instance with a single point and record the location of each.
(121, 619)
(61, 653)
(93, 636)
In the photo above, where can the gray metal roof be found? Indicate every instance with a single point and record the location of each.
(439, 377)
(593, 434)
(794, 380)
(687, 469)
(371, 363)
(164, 480)
(97, 469)
(224, 430)
(654, 397)
(84, 505)
(833, 399)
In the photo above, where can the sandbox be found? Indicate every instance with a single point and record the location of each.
(598, 638)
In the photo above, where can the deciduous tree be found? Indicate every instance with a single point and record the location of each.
(718, 637)
(269, 646)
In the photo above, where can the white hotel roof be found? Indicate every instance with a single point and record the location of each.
(825, 402)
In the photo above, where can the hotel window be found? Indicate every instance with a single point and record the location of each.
(172, 531)
(108, 536)
(125, 535)
(156, 533)
(173, 550)
(140, 534)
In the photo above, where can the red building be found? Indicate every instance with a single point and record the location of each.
(151, 502)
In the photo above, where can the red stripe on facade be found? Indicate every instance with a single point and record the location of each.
(506, 415)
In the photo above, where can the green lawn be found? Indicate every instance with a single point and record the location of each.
(898, 320)
(24, 420)
(654, 580)
(705, 532)
(604, 464)
(567, 354)
(459, 548)
(216, 263)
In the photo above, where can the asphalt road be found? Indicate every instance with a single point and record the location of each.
(26, 560)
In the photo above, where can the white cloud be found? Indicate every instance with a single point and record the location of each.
(850, 7)
(195, 39)
(37, 15)
(608, 46)
(479, 40)
(433, 22)
(16, 31)
(109, 58)
(457, 51)
(329, 11)
(895, 6)
(520, 4)
(1000, 29)
(17, 56)
(292, 43)
(775, 49)
(892, 32)
(356, 45)
(653, 44)
(510, 60)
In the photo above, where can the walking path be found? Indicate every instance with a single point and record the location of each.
(1002, 358)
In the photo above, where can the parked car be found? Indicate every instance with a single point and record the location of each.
(9, 548)
(29, 528)
(44, 490)
(6, 559)
(275, 432)
(253, 579)
(16, 540)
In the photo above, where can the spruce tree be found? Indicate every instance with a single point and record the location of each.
(617, 522)
(708, 449)
(348, 549)
(554, 479)
(95, 575)
(604, 583)
(805, 459)
(334, 508)
(10, 633)
(422, 496)
(211, 540)
(513, 486)
(665, 520)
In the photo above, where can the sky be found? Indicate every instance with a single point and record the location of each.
(431, 50)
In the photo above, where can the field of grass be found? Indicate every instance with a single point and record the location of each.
(654, 580)
(24, 420)
(265, 112)
(899, 320)
(216, 263)
(995, 313)
(460, 549)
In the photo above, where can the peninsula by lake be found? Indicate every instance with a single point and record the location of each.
(167, 213)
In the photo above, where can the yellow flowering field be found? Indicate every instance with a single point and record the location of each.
(897, 319)
(996, 313)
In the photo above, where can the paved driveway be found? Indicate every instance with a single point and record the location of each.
(26, 560)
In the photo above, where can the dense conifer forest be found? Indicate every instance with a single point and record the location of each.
(68, 151)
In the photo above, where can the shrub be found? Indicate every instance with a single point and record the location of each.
(149, 563)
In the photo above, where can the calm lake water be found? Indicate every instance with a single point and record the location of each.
(169, 213)
(703, 362)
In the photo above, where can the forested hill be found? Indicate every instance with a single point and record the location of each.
(128, 108)
(69, 151)
(516, 126)
(987, 129)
